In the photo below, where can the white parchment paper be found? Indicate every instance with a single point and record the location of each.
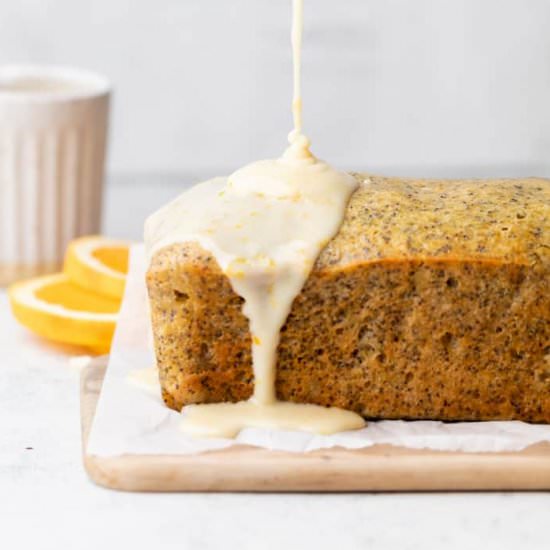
(130, 420)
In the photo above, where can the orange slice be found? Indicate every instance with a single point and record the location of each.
(98, 264)
(55, 308)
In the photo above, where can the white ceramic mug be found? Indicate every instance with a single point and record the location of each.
(53, 132)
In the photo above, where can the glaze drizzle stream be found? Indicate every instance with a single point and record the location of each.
(265, 225)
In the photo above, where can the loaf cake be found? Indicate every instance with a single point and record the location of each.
(432, 302)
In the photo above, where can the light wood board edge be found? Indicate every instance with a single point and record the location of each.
(378, 468)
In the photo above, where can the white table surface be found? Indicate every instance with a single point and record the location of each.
(46, 500)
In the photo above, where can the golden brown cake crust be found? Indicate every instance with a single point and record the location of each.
(433, 301)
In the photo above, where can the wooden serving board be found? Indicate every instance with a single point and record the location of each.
(378, 468)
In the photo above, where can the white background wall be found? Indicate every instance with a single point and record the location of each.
(434, 87)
